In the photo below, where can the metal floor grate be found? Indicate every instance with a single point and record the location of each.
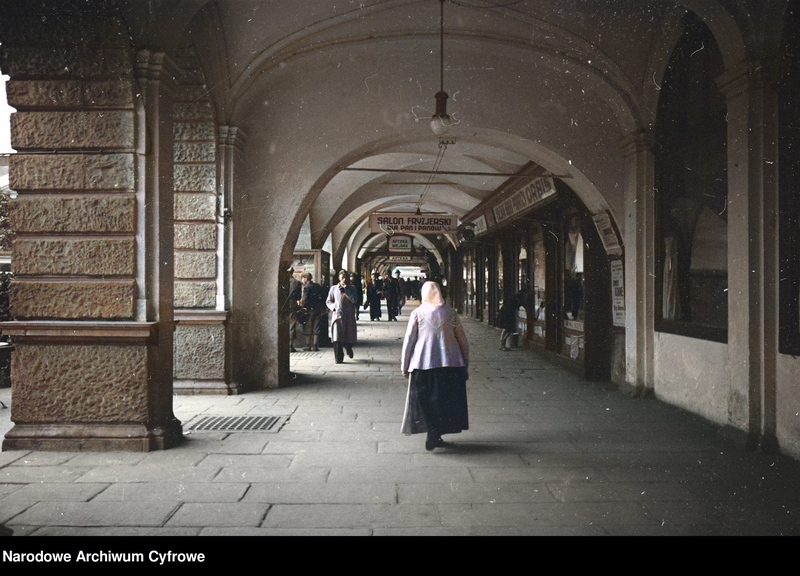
(240, 423)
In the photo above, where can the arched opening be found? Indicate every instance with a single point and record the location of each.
(691, 189)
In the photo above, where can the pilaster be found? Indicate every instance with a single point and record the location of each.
(640, 266)
(752, 248)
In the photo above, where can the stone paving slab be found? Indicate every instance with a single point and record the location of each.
(219, 514)
(322, 494)
(151, 473)
(465, 492)
(173, 492)
(546, 454)
(73, 492)
(278, 475)
(108, 513)
(351, 516)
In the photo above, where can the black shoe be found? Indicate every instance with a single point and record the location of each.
(349, 351)
(434, 441)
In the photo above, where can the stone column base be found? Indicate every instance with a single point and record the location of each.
(92, 437)
(89, 386)
(220, 387)
(202, 353)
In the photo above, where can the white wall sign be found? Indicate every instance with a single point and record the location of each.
(608, 235)
(399, 243)
(618, 292)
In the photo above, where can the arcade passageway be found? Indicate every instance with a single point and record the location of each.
(546, 454)
(631, 168)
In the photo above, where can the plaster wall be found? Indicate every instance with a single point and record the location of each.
(693, 374)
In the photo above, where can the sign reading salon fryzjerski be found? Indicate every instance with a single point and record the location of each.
(393, 222)
(529, 195)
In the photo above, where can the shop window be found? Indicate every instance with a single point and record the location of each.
(691, 190)
(522, 269)
(539, 258)
(789, 181)
(573, 271)
(499, 284)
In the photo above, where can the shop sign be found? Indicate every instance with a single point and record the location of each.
(394, 222)
(529, 195)
(405, 259)
(399, 243)
(480, 224)
(618, 293)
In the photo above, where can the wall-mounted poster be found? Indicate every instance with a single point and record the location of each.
(618, 292)
(608, 234)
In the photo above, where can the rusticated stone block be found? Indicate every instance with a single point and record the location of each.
(105, 62)
(198, 152)
(196, 236)
(108, 171)
(195, 265)
(86, 214)
(74, 256)
(71, 172)
(195, 294)
(79, 383)
(47, 172)
(39, 61)
(69, 130)
(26, 95)
(193, 132)
(67, 60)
(200, 352)
(40, 93)
(111, 93)
(195, 177)
(195, 207)
(195, 110)
(74, 300)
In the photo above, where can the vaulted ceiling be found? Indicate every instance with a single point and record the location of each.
(346, 88)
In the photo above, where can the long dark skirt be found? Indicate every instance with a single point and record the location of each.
(436, 402)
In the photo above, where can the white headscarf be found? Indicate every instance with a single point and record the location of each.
(432, 294)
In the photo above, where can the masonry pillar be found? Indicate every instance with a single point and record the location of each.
(92, 297)
(640, 267)
(202, 339)
(753, 264)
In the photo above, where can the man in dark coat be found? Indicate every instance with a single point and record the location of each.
(374, 295)
(507, 317)
(313, 300)
(295, 294)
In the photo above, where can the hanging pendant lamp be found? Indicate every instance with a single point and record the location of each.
(440, 121)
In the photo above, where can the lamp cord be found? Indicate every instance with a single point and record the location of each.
(437, 163)
(441, 45)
